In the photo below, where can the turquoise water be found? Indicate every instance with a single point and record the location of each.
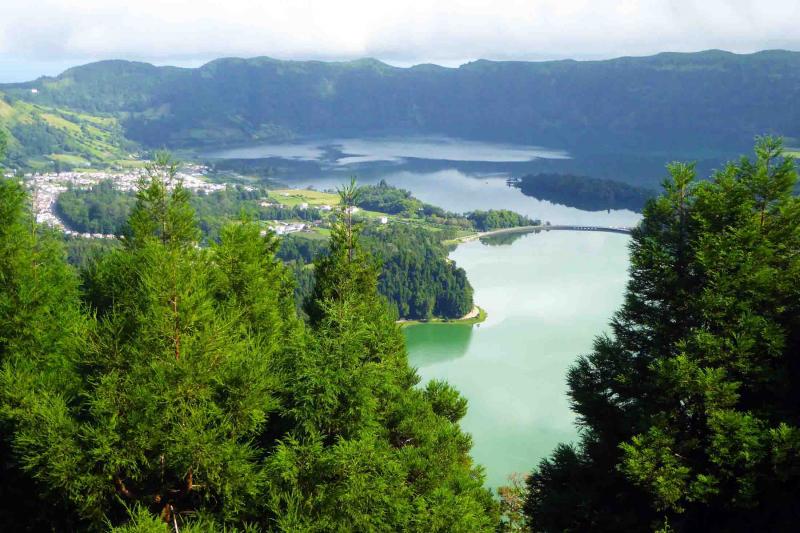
(547, 296)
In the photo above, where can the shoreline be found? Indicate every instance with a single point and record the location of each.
(475, 316)
(501, 231)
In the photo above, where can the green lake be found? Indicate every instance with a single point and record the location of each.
(548, 295)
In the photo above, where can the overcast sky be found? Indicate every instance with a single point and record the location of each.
(46, 36)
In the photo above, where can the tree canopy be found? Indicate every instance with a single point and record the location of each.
(688, 414)
(173, 386)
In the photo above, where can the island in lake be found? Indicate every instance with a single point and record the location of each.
(583, 192)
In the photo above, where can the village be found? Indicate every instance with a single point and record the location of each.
(46, 187)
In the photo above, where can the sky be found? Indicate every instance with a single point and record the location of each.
(44, 37)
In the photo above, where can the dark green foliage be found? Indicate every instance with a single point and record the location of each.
(101, 209)
(41, 332)
(359, 418)
(393, 200)
(387, 199)
(590, 194)
(217, 208)
(689, 414)
(301, 248)
(81, 252)
(176, 379)
(498, 219)
(180, 390)
(416, 277)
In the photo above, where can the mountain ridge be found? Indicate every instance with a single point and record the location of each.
(679, 104)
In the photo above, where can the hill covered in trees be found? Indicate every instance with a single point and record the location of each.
(688, 409)
(416, 277)
(41, 136)
(668, 104)
(173, 386)
(590, 194)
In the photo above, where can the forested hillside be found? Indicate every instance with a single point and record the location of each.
(416, 277)
(689, 409)
(699, 104)
(590, 194)
(170, 383)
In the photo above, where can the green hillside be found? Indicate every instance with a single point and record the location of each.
(672, 104)
(43, 136)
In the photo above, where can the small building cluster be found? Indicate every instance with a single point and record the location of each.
(46, 187)
(284, 228)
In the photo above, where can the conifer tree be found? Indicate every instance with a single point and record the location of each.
(688, 416)
(185, 394)
(370, 452)
(176, 392)
(41, 326)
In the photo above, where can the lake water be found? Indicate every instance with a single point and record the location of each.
(548, 295)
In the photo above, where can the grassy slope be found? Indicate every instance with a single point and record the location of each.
(40, 135)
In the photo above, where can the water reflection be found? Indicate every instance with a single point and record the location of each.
(432, 344)
(504, 239)
(547, 296)
(344, 152)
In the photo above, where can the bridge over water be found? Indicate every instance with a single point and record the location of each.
(560, 227)
(607, 229)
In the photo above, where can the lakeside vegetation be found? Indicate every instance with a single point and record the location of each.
(688, 409)
(480, 315)
(416, 277)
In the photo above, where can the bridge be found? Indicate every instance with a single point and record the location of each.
(608, 229)
(542, 227)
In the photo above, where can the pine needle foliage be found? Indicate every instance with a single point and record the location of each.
(688, 412)
(173, 388)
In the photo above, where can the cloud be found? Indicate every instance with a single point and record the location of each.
(405, 31)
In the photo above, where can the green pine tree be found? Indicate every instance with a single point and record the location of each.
(177, 383)
(688, 416)
(370, 452)
(41, 325)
